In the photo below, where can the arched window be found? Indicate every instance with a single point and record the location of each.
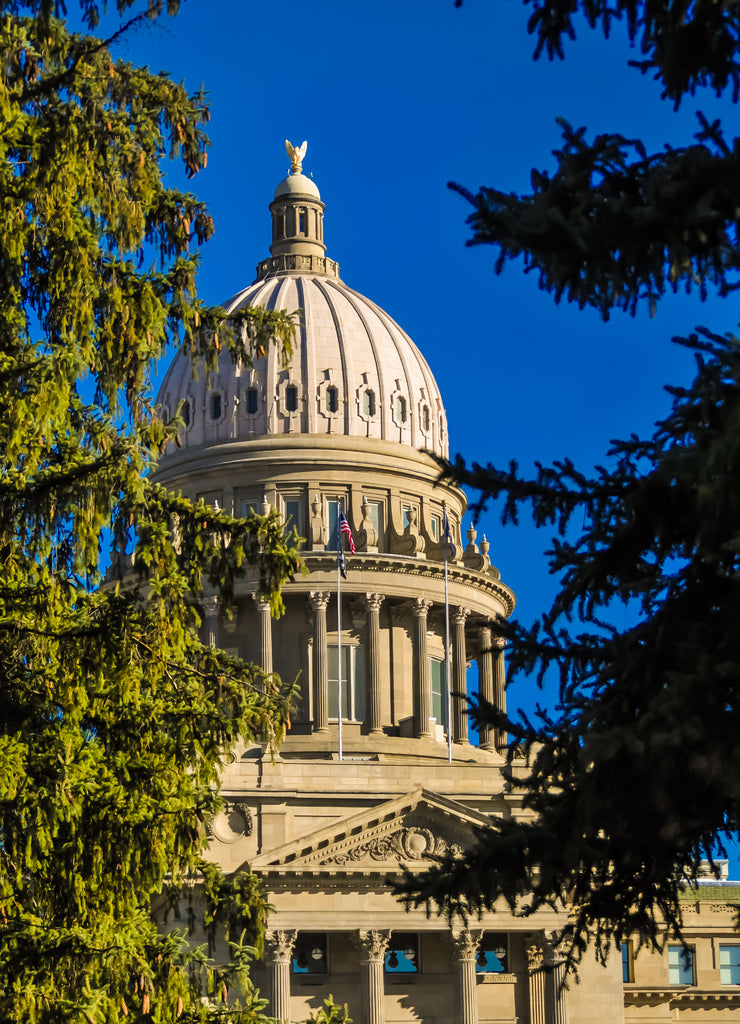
(291, 398)
(185, 412)
(252, 397)
(425, 423)
(400, 409)
(216, 407)
(332, 399)
(368, 402)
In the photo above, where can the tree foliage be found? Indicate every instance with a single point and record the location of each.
(114, 716)
(632, 779)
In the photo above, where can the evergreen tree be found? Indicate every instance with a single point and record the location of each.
(114, 717)
(634, 778)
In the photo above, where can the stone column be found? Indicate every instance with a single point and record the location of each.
(373, 945)
(466, 946)
(422, 689)
(556, 994)
(319, 601)
(210, 613)
(263, 608)
(372, 654)
(537, 984)
(279, 946)
(459, 669)
(499, 690)
(485, 681)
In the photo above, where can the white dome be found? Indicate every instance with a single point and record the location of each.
(354, 371)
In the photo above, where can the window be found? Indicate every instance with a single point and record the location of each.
(332, 399)
(425, 419)
(403, 954)
(216, 407)
(400, 409)
(293, 514)
(436, 527)
(628, 972)
(291, 398)
(681, 965)
(252, 397)
(310, 954)
(185, 412)
(302, 222)
(437, 680)
(493, 954)
(368, 403)
(729, 965)
(353, 682)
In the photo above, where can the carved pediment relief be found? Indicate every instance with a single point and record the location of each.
(410, 831)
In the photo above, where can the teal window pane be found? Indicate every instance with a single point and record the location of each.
(680, 965)
(729, 965)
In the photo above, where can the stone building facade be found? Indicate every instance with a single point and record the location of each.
(352, 422)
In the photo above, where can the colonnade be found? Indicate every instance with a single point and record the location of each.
(490, 656)
(547, 997)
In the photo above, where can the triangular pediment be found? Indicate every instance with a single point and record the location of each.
(410, 831)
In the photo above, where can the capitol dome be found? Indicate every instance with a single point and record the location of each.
(354, 371)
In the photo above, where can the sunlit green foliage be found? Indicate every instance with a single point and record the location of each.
(633, 778)
(114, 716)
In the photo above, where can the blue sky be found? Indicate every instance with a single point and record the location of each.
(396, 99)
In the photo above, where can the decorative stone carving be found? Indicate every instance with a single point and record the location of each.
(472, 557)
(367, 535)
(415, 843)
(412, 542)
(317, 536)
(466, 942)
(535, 957)
(232, 823)
(373, 944)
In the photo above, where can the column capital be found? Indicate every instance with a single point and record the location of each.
(373, 943)
(319, 599)
(279, 944)
(262, 604)
(374, 601)
(210, 606)
(500, 643)
(420, 607)
(535, 957)
(466, 941)
(460, 615)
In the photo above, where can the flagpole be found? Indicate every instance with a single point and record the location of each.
(447, 640)
(339, 628)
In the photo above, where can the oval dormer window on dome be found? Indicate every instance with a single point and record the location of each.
(401, 411)
(425, 420)
(332, 399)
(368, 402)
(186, 413)
(252, 400)
(291, 398)
(216, 406)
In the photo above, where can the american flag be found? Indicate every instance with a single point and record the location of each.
(344, 529)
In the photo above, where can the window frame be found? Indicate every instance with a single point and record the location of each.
(726, 947)
(353, 686)
(685, 963)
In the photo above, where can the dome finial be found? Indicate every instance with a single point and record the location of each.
(296, 154)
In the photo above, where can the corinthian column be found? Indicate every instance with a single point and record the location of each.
(422, 690)
(263, 608)
(556, 994)
(485, 681)
(466, 946)
(279, 945)
(499, 690)
(372, 649)
(373, 945)
(537, 985)
(459, 670)
(319, 602)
